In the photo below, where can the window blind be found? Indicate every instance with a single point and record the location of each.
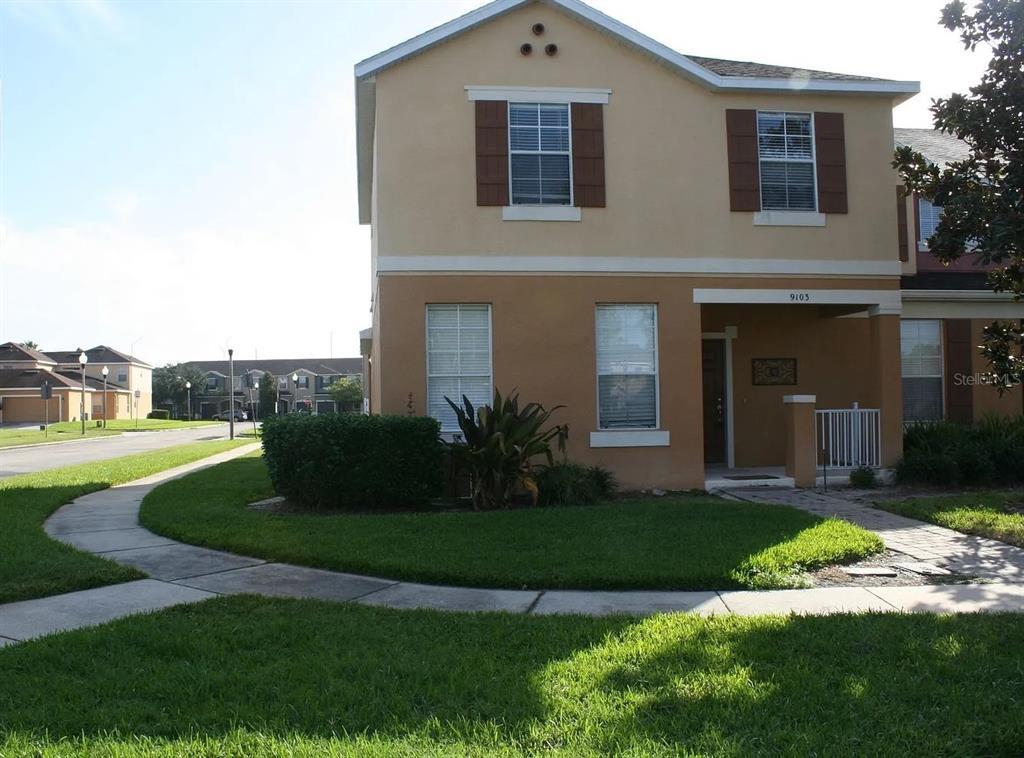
(540, 153)
(458, 359)
(627, 366)
(921, 358)
(928, 217)
(786, 152)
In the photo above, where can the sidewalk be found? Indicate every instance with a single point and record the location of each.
(106, 523)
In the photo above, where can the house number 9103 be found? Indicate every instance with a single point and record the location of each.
(799, 297)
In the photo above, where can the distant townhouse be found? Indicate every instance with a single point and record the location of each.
(302, 384)
(24, 372)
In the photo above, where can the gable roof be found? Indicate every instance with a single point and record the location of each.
(98, 354)
(284, 366)
(716, 74)
(13, 352)
(938, 147)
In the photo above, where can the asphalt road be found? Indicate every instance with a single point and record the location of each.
(27, 459)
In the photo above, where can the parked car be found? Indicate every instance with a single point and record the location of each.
(239, 414)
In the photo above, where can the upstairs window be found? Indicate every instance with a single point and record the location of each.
(302, 382)
(540, 153)
(211, 382)
(785, 148)
(928, 215)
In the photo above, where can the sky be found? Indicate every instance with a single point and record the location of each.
(177, 178)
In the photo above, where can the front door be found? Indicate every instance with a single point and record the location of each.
(713, 363)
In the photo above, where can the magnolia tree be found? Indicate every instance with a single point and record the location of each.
(982, 196)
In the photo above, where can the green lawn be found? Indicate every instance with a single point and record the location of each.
(72, 430)
(999, 515)
(32, 564)
(682, 542)
(245, 676)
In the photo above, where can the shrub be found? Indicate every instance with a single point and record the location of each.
(921, 466)
(989, 451)
(573, 484)
(354, 462)
(500, 443)
(863, 477)
(160, 413)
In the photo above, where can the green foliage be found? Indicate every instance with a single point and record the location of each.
(945, 453)
(499, 444)
(354, 462)
(988, 514)
(169, 383)
(347, 391)
(268, 396)
(573, 484)
(863, 477)
(983, 194)
(159, 413)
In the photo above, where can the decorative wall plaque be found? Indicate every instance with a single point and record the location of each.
(774, 371)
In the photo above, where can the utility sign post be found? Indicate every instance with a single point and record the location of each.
(46, 392)
(138, 394)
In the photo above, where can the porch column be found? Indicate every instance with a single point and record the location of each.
(801, 439)
(888, 383)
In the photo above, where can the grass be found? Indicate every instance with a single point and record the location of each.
(32, 564)
(999, 515)
(685, 542)
(65, 431)
(255, 677)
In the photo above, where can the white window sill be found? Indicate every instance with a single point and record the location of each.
(788, 218)
(540, 213)
(630, 438)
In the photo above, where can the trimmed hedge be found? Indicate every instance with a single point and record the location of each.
(161, 413)
(573, 484)
(945, 453)
(354, 462)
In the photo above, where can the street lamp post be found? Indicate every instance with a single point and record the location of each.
(295, 391)
(256, 384)
(188, 395)
(82, 360)
(106, 370)
(231, 390)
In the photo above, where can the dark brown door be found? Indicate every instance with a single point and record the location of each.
(713, 362)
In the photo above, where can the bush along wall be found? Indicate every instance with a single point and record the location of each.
(945, 453)
(160, 413)
(354, 462)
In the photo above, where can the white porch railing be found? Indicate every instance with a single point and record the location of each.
(849, 437)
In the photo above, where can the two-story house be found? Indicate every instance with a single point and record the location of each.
(945, 309)
(302, 384)
(675, 248)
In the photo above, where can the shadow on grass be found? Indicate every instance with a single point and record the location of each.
(899, 685)
(684, 543)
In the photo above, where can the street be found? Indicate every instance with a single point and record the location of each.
(24, 460)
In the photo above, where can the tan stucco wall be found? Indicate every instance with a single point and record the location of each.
(665, 145)
(29, 407)
(986, 398)
(543, 344)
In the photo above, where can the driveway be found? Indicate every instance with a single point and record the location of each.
(28, 459)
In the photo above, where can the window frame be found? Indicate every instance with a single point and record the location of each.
(813, 160)
(657, 371)
(426, 358)
(941, 376)
(922, 241)
(508, 136)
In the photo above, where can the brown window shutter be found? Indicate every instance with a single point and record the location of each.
(491, 152)
(588, 155)
(830, 155)
(744, 172)
(959, 395)
(902, 233)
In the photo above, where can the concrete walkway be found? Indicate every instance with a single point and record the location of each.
(106, 523)
(960, 553)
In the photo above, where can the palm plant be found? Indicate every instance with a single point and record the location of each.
(500, 442)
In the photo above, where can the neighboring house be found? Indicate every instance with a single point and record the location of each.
(945, 309)
(23, 372)
(677, 249)
(302, 384)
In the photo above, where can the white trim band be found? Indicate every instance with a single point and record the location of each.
(610, 264)
(881, 301)
(540, 213)
(538, 94)
(629, 438)
(788, 218)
